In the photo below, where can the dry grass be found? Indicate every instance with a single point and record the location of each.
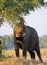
(44, 51)
(12, 59)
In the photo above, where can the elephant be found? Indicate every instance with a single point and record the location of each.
(29, 41)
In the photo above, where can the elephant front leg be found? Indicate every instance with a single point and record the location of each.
(24, 53)
(17, 50)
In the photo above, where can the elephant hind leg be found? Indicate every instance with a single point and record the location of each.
(32, 54)
(38, 51)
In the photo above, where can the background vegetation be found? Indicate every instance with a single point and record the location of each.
(9, 41)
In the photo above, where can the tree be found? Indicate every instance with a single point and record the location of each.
(11, 10)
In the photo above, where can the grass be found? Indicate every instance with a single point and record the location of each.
(11, 58)
(44, 51)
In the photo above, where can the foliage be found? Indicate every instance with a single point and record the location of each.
(11, 10)
(44, 40)
(2, 55)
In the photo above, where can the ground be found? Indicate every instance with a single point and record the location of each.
(11, 59)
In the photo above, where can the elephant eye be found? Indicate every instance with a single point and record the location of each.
(20, 32)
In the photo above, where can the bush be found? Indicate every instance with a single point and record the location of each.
(1, 49)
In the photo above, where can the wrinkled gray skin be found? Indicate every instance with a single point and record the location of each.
(31, 43)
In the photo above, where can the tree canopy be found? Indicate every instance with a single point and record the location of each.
(11, 10)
